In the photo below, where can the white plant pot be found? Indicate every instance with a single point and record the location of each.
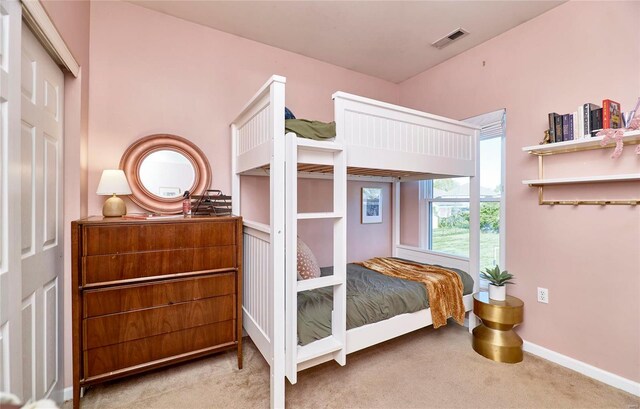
(497, 293)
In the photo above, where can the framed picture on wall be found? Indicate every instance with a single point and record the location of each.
(371, 205)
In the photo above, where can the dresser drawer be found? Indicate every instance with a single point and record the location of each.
(128, 326)
(148, 351)
(122, 238)
(115, 267)
(139, 296)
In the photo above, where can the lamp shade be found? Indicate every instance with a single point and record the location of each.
(113, 182)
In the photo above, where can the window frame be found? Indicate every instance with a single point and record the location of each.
(489, 120)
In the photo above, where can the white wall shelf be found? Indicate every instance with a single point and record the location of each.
(630, 138)
(583, 179)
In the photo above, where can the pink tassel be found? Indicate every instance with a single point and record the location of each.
(608, 135)
(617, 135)
(618, 150)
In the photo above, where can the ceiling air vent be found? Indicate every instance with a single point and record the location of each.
(449, 38)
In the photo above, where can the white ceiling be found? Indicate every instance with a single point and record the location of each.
(386, 39)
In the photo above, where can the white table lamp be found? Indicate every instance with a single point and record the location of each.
(112, 183)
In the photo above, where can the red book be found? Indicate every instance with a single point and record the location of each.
(611, 116)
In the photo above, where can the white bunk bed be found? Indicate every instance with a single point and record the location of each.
(372, 139)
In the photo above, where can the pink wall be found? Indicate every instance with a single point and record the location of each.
(153, 73)
(364, 240)
(160, 74)
(586, 256)
(409, 229)
(71, 18)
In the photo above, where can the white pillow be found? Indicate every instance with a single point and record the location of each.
(307, 263)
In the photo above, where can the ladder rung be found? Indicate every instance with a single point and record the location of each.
(320, 215)
(320, 282)
(319, 145)
(318, 348)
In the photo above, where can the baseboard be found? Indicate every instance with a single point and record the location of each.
(67, 393)
(591, 371)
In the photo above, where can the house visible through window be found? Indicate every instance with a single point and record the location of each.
(445, 202)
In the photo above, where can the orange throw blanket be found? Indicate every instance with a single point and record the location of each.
(444, 287)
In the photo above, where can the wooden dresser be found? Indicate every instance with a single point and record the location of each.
(148, 293)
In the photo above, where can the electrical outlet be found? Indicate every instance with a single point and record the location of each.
(543, 295)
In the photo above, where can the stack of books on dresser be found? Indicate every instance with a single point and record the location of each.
(585, 122)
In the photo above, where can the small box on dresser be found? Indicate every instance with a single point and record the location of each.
(149, 293)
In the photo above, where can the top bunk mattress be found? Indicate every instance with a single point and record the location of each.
(371, 297)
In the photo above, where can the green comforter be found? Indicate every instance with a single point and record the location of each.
(305, 128)
(371, 297)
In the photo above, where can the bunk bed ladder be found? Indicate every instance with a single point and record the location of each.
(324, 153)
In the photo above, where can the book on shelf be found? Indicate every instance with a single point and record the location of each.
(580, 122)
(586, 118)
(552, 127)
(151, 216)
(611, 114)
(571, 128)
(636, 110)
(558, 128)
(567, 127)
(576, 132)
(596, 121)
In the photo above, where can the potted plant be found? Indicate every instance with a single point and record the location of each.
(498, 281)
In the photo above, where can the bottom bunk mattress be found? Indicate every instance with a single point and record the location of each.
(371, 297)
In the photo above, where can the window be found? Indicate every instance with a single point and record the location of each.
(445, 202)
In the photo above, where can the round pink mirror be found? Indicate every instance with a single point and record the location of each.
(160, 168)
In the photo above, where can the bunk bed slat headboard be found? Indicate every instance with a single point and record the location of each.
(255, 127)
(408, 140)
(256, 292)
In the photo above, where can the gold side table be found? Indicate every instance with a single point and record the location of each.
(495, 338)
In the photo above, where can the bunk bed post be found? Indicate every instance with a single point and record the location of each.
(235, 177)
(395, 235)
(339, 317)
(291, 236)
(277, 248)
(474, 223)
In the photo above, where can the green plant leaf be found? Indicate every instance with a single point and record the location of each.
(497, 277)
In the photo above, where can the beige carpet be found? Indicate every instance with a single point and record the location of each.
(426, 369)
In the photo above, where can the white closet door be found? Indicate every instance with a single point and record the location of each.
(41, 222)
(10, 260)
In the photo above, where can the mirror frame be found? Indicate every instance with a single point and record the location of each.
(143, 147)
